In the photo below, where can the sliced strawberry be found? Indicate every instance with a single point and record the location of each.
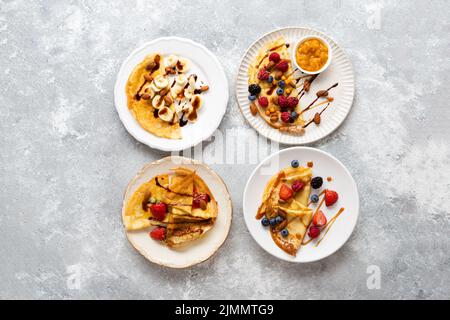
(200, 199)
(286, 192)
(159, 233)
(297, 185)
(159, 211)
(319, 219)
(330, 197)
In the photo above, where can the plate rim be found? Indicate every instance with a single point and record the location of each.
(228, 212)
(299, 148)
(150, 143)
(294, 142)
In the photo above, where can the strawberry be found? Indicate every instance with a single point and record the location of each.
(319, 219)
(158, 211)
(330, 197)
(159, 233)
(297, 185)
(200, 200)
(283, 66)
(274, 56)
(313, 232)
(286, 192)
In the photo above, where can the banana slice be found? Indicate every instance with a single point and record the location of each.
(196, 102)
(161, 82)
(165, 114)
(183, 65)
(171, 61)
(157, 102)
(181, 80)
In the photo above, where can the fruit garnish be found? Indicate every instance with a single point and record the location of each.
(330, 197)
(252, 97)
(285, 116)
(200, 201)
(270, 79)
(294, 116)
(319, 219)
(278, 219)
(292, 102)
(313, 232)
(314, 198)
(254, 89)
(159, 233)
(263, 101)
(272, 222)
(159, 211)
(285, 192)
(297, 185)
(281, 83)
(274, 56)
(280, 91)
(283, 102)
(283, 66)
(284, 232)
(263, 75)
(316, 182)
(295, 163)
(265, 222)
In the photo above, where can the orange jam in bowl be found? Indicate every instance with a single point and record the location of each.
(312, 54)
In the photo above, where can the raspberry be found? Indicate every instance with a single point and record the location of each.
(313, 232)
(330, 197)
(297, 185)
(283, 66)
(263, 101)
(283, 102)
(158, 211)
(263, 75)
(158, 233)
(292, 102)
(274, 56)
(285, 117)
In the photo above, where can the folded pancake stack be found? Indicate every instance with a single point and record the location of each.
(191, 207)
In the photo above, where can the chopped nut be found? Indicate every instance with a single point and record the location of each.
(322, 93)
(145, 96)
(168, 99)
(151, 66)
(330, 99)
(170, 70)
(204, 88)
(306, 85)
(148, 77)
(274, 118)
(274, 100)
(278, 74)
(317, 118)
(163, 92)
(253, 109)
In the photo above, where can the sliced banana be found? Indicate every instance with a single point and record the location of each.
(181, 80)
(161, 82)
(157, 102)
(196, 101)
(165, 114)
(183, 65)
(171, 61)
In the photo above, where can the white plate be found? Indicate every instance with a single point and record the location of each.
(340, 70)
(198, 250)
(325, 165)
(208, 69)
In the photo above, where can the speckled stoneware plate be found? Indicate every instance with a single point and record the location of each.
(340, 70)
(208, 69)
(198, 250)
(324, 165)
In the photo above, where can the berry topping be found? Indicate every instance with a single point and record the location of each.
(297, 185)
(251, 97)
(263, 101)
(286, 192)
(159, 211)
(314, 198)
(282, 101)
(294, 116)
(281, 84)
(158, 233)
(292, 102)
(200, 201)
(319, 219)
(270, 79)
(272, 222)
(274, 56)
(282, 66)
(263, 74)
(278, 219)
(313, 232)
(265, 222)
(284, 232)
(316, 182)
(285, 116)
(280, 91)
(254, 89)
(330, 197)
(295, 163)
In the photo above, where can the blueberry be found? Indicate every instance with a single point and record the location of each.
(314, 198)
(295, 163)
(294, 115)
(265, 222)
(281, 84)
(280, 91)
(251, 97)
(278, 219)
(270, 79)
(316, 182)
(284, 232)
(273, 222)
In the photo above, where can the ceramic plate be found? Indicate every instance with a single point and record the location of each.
(324, 165)
(208, 69)
(198, 250)
(340, 70)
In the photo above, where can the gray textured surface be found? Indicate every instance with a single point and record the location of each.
(66, 158)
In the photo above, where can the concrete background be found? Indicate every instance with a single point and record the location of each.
(66, 158)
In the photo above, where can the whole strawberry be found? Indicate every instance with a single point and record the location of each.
(158, 233)
(283, 102)
(283, 66)
(263, 75)
(159, 211)
(292, 102)
(330, 197)
(263, 101)
(285, 116)
(274, 56)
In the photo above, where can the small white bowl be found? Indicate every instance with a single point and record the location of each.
(330, 52)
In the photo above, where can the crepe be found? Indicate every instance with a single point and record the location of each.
(184, 221)
(297, 216)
